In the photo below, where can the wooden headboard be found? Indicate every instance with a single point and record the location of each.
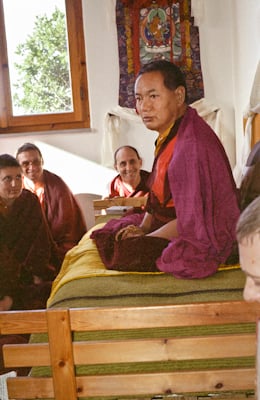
(63, 353)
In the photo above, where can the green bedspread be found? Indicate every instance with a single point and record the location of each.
(137, 289)
(85, 282)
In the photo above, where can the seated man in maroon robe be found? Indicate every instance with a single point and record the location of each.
(64, 217)
(189, 226)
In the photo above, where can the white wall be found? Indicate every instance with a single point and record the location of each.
(230, 49)
(80, 174)
(215, 29)
(246, 57)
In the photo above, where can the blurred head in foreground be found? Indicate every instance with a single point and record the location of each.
(248, 236)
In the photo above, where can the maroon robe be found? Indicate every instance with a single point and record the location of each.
(63, 214)
(24, 252)
(199, 180)
(206, 202)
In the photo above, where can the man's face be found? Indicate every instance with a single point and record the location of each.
(10, 183)
(158, 106)
(32, 165)
(249, 254)
(128, 165)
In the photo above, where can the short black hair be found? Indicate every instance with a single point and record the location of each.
(6, 160)
(172, 74)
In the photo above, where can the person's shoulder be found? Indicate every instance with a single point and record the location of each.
(200, 130)
(192, 115)
(114, 186)
(28, 196)
(116, 177)
(52, 179)
(56, 190)
(115, 180)
(51, 175)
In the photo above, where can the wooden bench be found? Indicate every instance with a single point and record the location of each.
(103, 204)
(62, 352)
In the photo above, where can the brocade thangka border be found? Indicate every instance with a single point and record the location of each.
(157, 29)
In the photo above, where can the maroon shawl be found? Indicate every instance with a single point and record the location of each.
(64, 217)
(206, 205)
(24, 249)
(206, 202)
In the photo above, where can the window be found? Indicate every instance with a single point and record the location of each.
(15, 113)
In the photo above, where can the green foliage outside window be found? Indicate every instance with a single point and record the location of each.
(43, 84)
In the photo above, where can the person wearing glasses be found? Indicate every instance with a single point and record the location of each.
(63, 214)
(25, 250)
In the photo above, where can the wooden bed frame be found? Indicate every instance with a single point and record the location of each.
(255, 132)
(63, 353)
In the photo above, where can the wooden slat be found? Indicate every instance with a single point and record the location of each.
(176, 349)
(142, 350)
(211, 313)
(109, 318)
(30, 388)
(139, 384)
(61, 355)
(167, 383)
(13, 322)
(23, 355)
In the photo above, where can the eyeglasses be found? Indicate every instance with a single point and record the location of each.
(34, 163)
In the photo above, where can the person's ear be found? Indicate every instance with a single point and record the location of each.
(180, 95)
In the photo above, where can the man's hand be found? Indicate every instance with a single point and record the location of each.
(129, 231)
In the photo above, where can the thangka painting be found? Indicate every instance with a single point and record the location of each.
(152, 30)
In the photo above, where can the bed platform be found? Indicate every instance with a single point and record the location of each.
(119, 335)
(157, 351)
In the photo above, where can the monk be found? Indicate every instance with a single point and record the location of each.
(131, 179)
(64, 217)
(25, 248)
(189, 226)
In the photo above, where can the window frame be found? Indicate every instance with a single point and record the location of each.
(79, 117)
